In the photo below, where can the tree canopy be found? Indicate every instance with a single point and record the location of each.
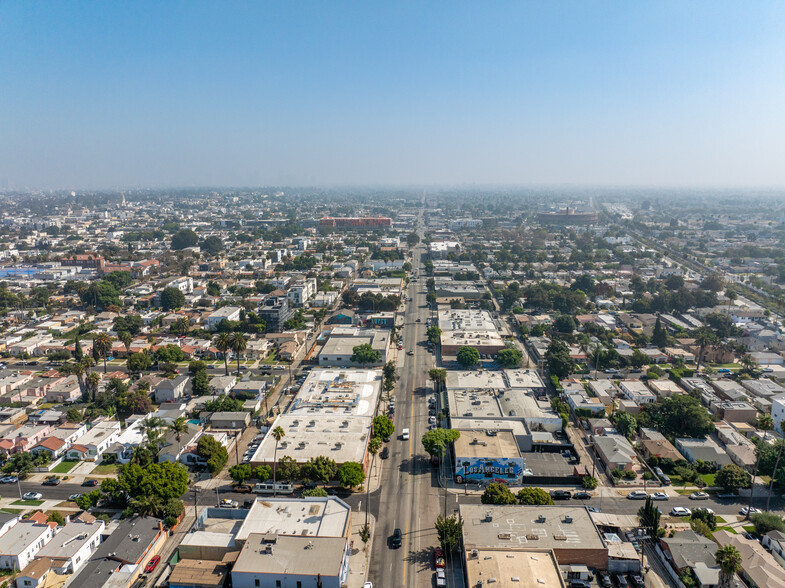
(498, 494)
(468, 356)
(435, 441)
(365, 354)
(183, 239)
(679, 415)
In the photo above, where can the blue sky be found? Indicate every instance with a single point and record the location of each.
(119, 94)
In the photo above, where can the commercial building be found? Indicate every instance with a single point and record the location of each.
(275, 312)
(350, 223)
(325, 392)
(568, 531)
(567, 216)
(523, 569)
(300, 517)
(229, 313)
(339, 348)
(488, 456)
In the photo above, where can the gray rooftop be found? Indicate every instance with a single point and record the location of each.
(298, 556)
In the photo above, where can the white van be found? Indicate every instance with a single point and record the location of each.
(270, 488)
(405, 435)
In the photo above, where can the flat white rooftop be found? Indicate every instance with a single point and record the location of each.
(314, 517)
(336, 391)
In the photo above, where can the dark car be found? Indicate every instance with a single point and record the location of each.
(90, 483)
(51, 482)
(581, 496)
(385, 453)
(397, 539)
(561, 494)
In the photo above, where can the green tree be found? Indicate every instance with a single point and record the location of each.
(179, 427)
(533, 496)
(412, 239)
(704, 337)
(351, 474)
(435, 441)
(560, 364)
(223, 403)
(241, 472)
(731, 477)
(164, 480)
(278, 433)
(139, 362)
(589, 483)
(706, 517)
(103, 345)
(212, 245)
(238, 343)
(468, 357)
(215, 453)
(659, 336)
(498, 494)
(223, 344)
(564, 324)
(434, 334)
(449, 530)
(184, 239)
(172, 298)
(383, 426)
(200, 384)
(638, 359)
(767, 521)
(315, 493)
(319, 469)
(262, 473)
(510, 357)
(678, 415)
(729, 560)
(287, 469)
(438, 376)
(213, 289)
(649, 516)
(365, 354)
(626, 423)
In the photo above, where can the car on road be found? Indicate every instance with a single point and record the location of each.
(637, 495)
(561, 494)
(9, 480)
(32, 496)
(581, 496)
(410, 352)
(228, 503)
(749, 510)
(397, 539)
(432, 420)
(51, 482)
(243, 489)
(152, 564)
(438, 558)
(699, 496)
(368, 585)
(611, 371)
(419, 320)
(405, 435)
(592, 509)
(441, 578)
(680, 511)
(74, 497)
(385, 453)
(659, 496)
(90, 483)
(703, 509)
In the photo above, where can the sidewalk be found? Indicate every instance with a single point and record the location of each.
(361, 552)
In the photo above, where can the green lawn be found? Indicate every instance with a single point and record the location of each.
(270, 359)
(12, 510)
(105, 469)
(28, 502)
(64, 467)
(708, 478)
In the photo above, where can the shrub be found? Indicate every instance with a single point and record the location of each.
(630, 475)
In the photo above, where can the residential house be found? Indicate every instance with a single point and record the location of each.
(53, 446)
(230, 420)
(704, 450)
(171, 390)
(98, 439)
(24, 438)
(174, 449)
(660, 448)
(615, 452)
(688, 549)
(222, 384)
(65, 390)
(72, 546)
(759, 567)
(229, 313)
(20, 543)
(637, 391)
(774, 542)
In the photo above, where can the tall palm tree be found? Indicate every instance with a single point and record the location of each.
(179, 427)
(278, 434)
(374, 445)
(223, 344)
(103, 345)
(704, 337)
(729, 560)
(181, 326)
(126, 338)
(92, 381)
(238, 343)
(151, 427)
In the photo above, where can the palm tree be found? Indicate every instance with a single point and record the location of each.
(126, 338)
(222, 344)
(374, 445)
(278, 434)
(147, 505)
(93, 379)
(238, 344)
(729, 560)
(179, 427)
(704, 337)
(151, 426)
(181, 326)
(103, 345)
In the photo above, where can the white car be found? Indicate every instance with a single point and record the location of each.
(749, 510)
(637, 495)
(703, 509)
(432, 420)
(368, 585)
(32, 496)
(441, 577)
(699, 496)
(659, 496)
(680, 511)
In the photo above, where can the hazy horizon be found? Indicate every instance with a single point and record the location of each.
(188, 95)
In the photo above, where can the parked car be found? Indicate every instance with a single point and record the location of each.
(699, 496)
(438, 558)
(637, 495)
(441, 578)
(659, 496)
(51, 482)
(228, 503)
(637, 581)
(580, 583)
(385, 453)
(397, 539)
(680, 511)
(581, 496)
(32, 496)
(90, 483)
(561, 494)
(9, 480)
(74, 497)
(243, 489)
(703, 509)
(152, 564)
(749, 510)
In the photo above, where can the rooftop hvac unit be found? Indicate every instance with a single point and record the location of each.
(488, 517)
(567, 519)
(541, 519)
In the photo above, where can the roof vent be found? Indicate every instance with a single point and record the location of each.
(488, 517)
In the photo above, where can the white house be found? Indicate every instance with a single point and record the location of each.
(20, 544)
(98, 439)
(778, 411)
(230, 313)
(73, 545)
